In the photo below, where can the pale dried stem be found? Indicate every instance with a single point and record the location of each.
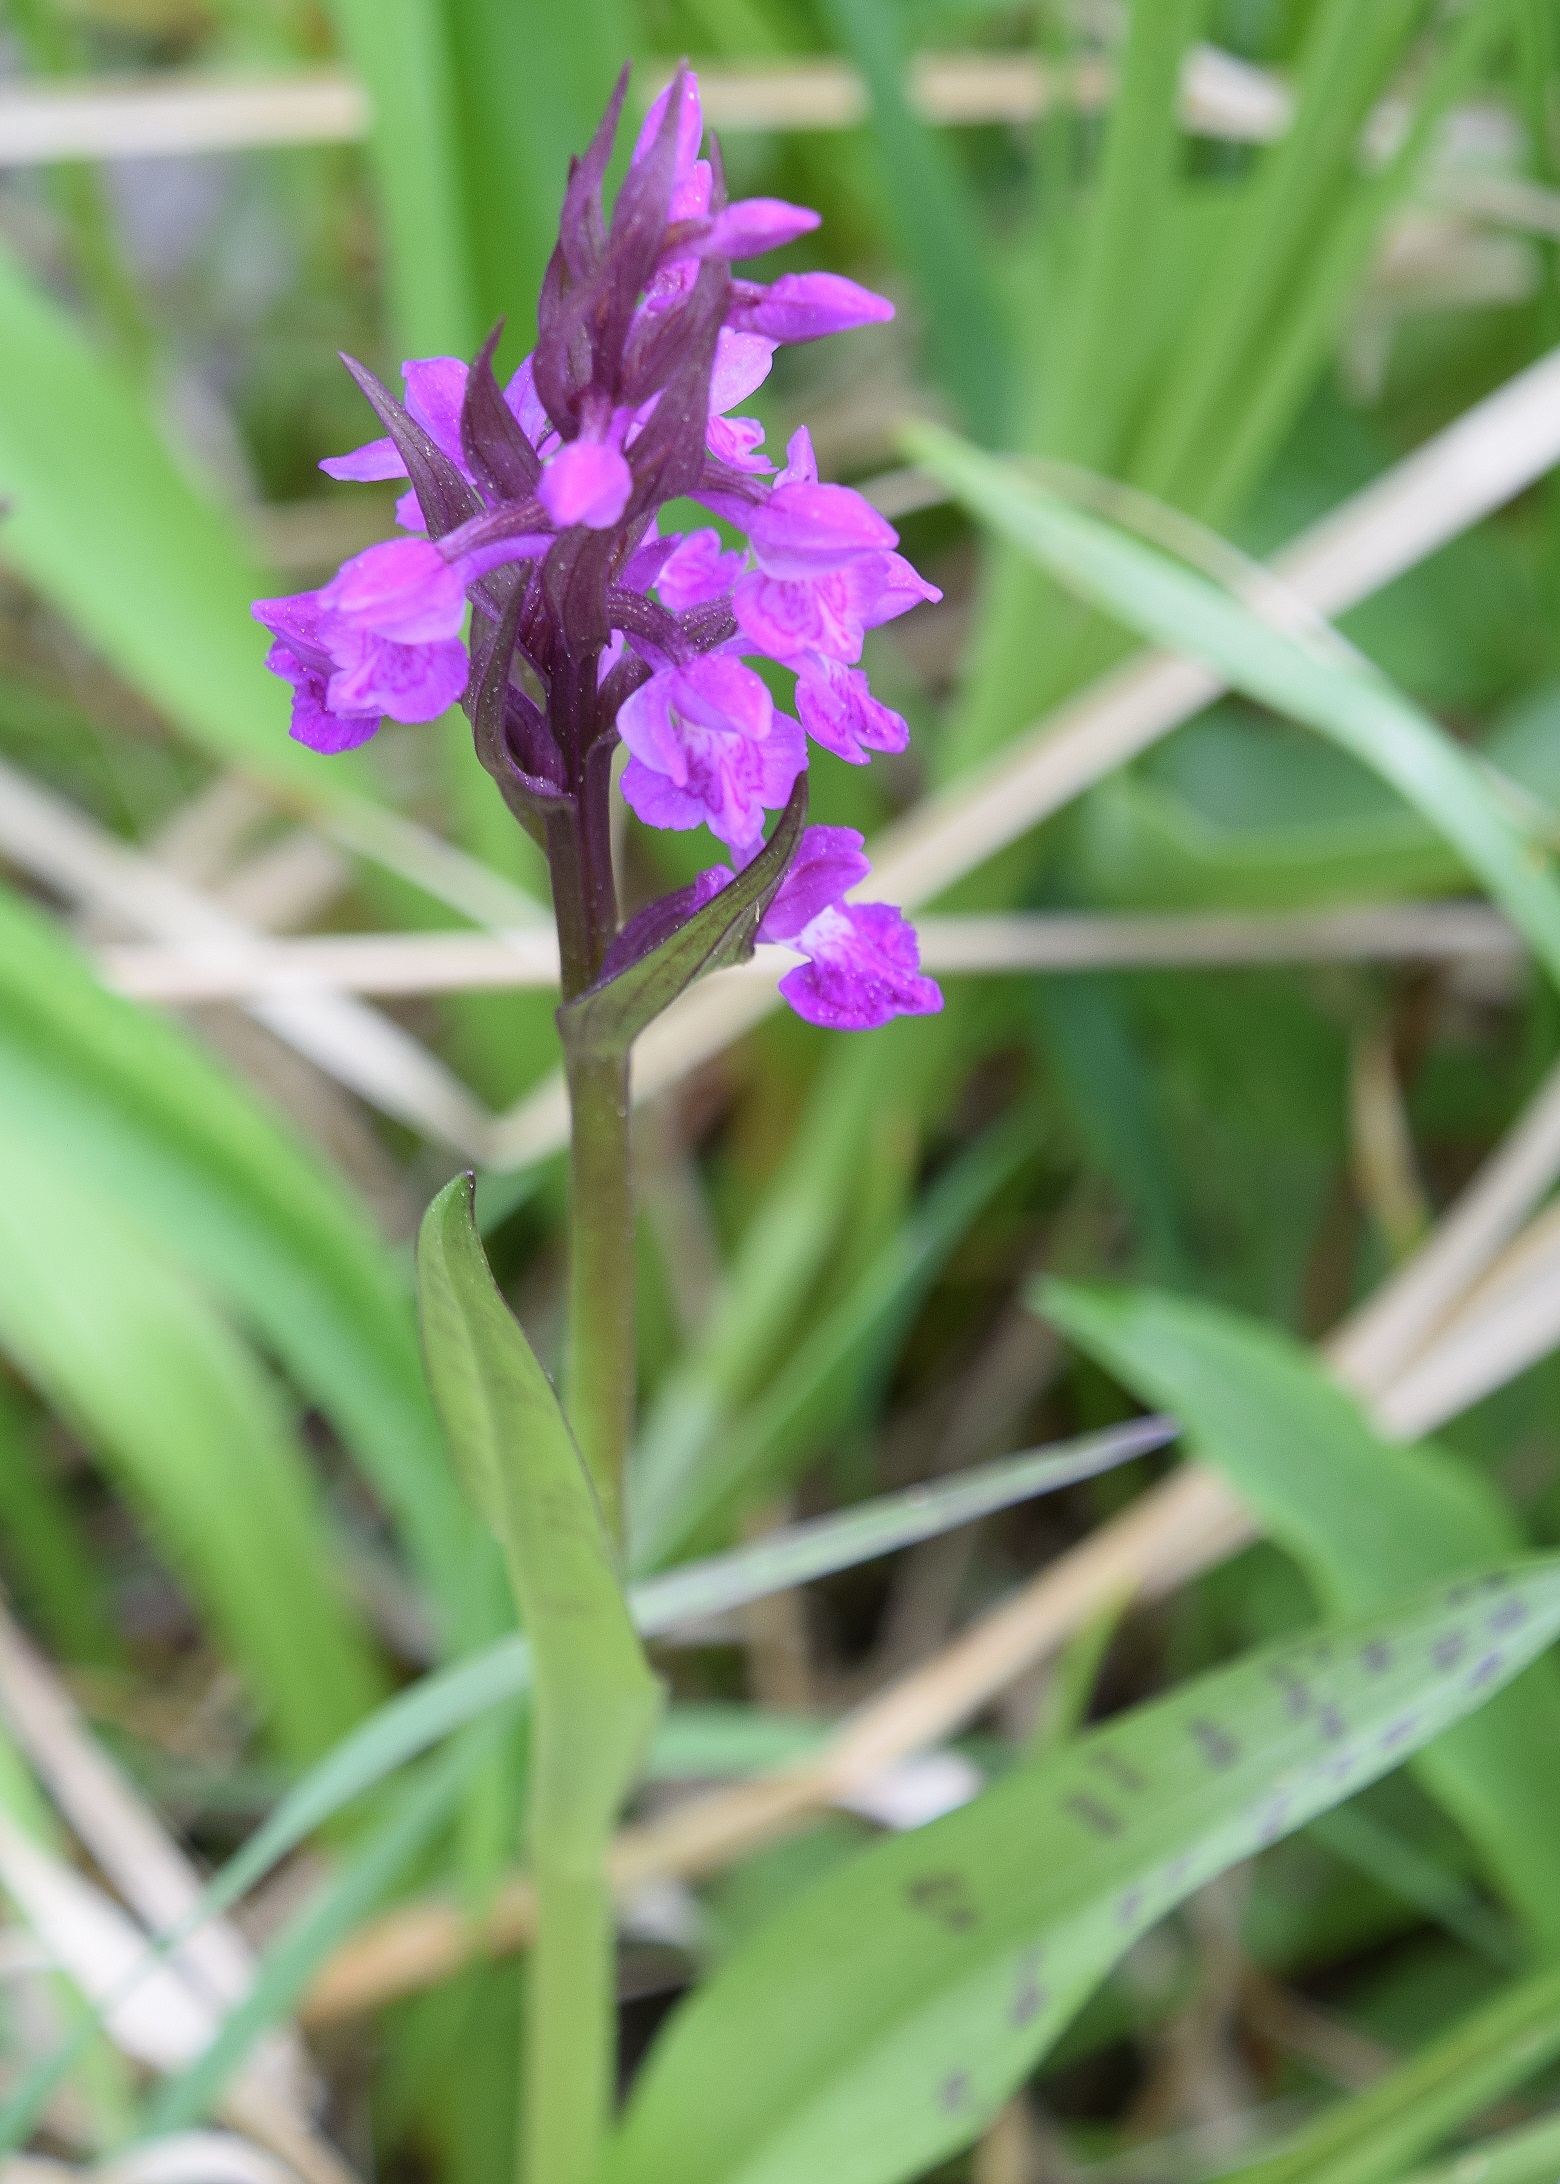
(409, 963)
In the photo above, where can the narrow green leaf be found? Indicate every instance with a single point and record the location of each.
(877, 2024)
(595, 1699)
(177, 1407)
(400, 49)
(514, 1449)
(102, 521)
(568, 61)
(422, 1807)
(799, 1553)
(824, 1374)
(1366, 1519)
(1148, 592)
(608, 1017)
(1376, 2134)
(141, 1114)
(1528, 2155)
(931, 210)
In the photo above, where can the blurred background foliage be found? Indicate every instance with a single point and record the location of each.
(224, 1508)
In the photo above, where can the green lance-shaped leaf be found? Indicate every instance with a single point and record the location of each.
(594, 1698)
(178, 1408)
(609, 1016)
(877, 2024)
(1359, 709)
(150, 1122)
(1367, 1519)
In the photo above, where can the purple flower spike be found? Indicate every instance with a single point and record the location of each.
(544, 503)
(708, 748)
(863, 969)
(585, 482)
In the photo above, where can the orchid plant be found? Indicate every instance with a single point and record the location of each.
(537, 506)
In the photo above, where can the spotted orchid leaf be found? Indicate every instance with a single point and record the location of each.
(878, 2023)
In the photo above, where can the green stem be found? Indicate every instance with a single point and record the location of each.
(570, 2006)
(600, 1381)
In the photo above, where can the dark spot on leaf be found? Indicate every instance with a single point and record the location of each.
(1448, 1651)
(1129, 1906)
(1218, 1748)
(1029, 1996)
(1397, 1732)
(1509, 1615)
(1121, 1771)
(1271, 1823)
(1332, 1723)
(945, 1898)
(1488, 1667)
(1297, 1693)
(1096, 1817)
(1376, 1658)
(954, 2092)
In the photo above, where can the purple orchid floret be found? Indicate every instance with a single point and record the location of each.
(535, 587)
(707, 747)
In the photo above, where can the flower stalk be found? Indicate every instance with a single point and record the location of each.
(535, 510)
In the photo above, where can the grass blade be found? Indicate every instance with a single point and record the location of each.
(1485, 2056)
(177, 1407)
(825, 1372)
(135, 1109)
(1355, 707)
(932, 211)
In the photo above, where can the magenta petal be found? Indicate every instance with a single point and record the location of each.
(313, 722)
(864, 969)
(697, 570)
(658, 801)
(404, 590)
(525, 405)
(585, 482)
(409, 682)
(408, 513)
(808, 306)
(839, 711)
(801, 464)
(742, 363)
(690, 126)
(435, 390)
(736, 442)
(829, 861)
(802, 530)
(366, 465)
(785, 618)
(706, 744)
(295, 619)
(882, 586)
(756, 224)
